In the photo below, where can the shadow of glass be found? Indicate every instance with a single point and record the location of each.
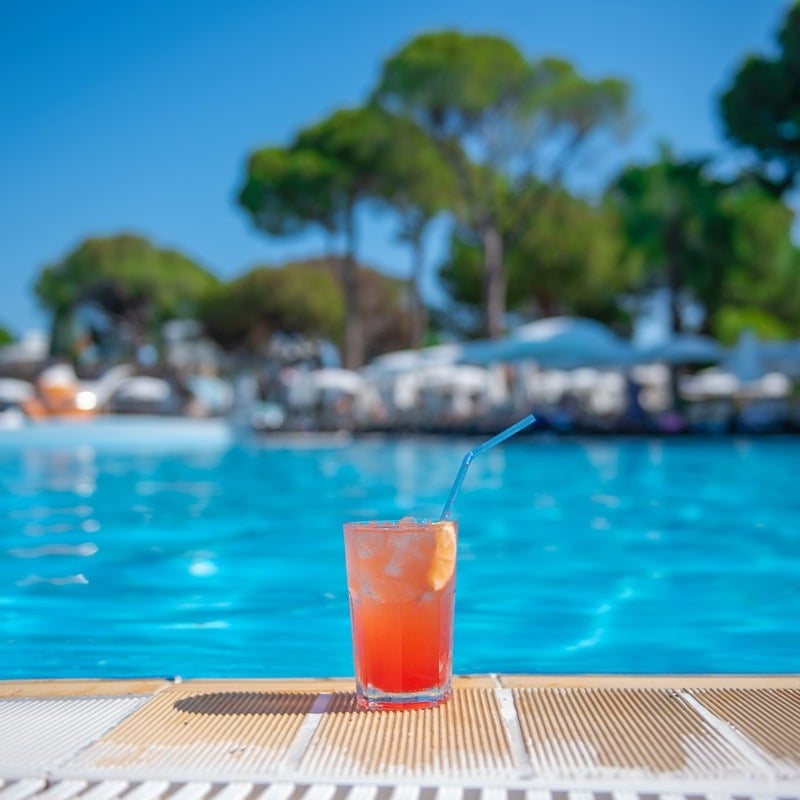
(244, 703)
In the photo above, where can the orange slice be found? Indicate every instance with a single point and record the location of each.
(443, 563)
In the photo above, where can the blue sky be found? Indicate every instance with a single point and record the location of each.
(138, 115)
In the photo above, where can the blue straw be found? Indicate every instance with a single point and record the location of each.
(467, 460)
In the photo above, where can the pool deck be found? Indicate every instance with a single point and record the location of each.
(502, 737)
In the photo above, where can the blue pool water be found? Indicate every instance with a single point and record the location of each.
(148, 555)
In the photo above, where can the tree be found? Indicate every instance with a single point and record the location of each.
(330, 170)
(304, 298)
(585, 273)
(387, 324)
(287, 189)
(497, 120)
(301, 298)
(761, 108)
(674, 221)
(417, 185)
(724, 246)
(6, 337)
(761, 290)
(134, 285)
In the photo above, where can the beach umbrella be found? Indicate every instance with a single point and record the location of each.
(771, 386)
(401, 361)
(752, 358)
(463, 377)
(144, 389)
(558, 342)
(306, 387)
(33, 348)
(683, 348)
(216, 394)
(13, 390)
(709, 384)
(335, 379)
(717, 383)
(745, 359)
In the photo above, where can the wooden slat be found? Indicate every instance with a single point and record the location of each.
(183, 734)
(615, 732)
(768, 718)
(37, 734)
(501, 738)
(465, 738)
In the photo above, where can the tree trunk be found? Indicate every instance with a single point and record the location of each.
(353, 355)
(418, 311)
(494, 283)
(60, 333)
(675, 284)
(674, 280)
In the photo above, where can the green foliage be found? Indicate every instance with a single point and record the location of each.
(498, 122)
(564, 109)
(286, 189)
(569, 259)
(387, 325)
(728, 246)
(413, 179)
(351, 157)
(6, 337)
(306, 298)
(761, 108)
(302, 298)
(360, 142)
(674, 221)
(451, 82)
(485, 104)
(761, 290)
(125, 275)
(379, 156)
(136, 285)
(731, 321)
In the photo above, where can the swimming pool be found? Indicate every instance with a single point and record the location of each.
(137, 557)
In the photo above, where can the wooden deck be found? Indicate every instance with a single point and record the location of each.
(501, 737)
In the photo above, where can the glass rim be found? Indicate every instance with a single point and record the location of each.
(406, 524)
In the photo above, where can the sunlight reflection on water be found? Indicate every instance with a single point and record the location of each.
(575, 556)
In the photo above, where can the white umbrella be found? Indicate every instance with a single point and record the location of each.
(745, 360)
(306, 387)
(772, 386)
(336, 380)
(564, 342)
(216, 394)
(401, 361)
(684, 348)
(31, 349)
(715, 383)
(13, 390)
(58, 375)
(464, 377)
(752, 358)
(708, 384)
(143, 389)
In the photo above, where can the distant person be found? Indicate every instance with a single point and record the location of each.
(634, 417)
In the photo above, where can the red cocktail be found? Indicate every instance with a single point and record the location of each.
(401, 581)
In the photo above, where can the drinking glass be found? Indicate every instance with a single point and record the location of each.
(401, 583)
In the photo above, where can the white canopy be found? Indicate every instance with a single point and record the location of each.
(559, 342)
(402, 361)
(684, 348)
(13, 390)
(306, 387)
